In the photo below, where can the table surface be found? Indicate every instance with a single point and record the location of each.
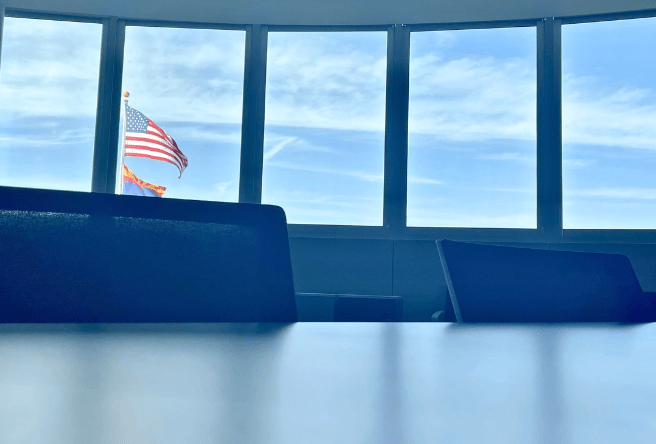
(327, 383)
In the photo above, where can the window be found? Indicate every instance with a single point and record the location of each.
(325, 126)
(189, 82)
(48, 92)
(472, 129)
(609, 124)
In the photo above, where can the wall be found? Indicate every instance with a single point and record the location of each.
(410, 268)
(333, 12)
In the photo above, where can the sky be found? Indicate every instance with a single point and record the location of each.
(609, 124)
(324, 130)
(472, 138)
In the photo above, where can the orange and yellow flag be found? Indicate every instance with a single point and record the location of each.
(137, 187)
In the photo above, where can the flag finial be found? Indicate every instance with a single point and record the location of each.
(126, 94)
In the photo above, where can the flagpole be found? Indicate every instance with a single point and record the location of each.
(125, 121)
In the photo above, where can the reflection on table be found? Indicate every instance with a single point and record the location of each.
(327, 382)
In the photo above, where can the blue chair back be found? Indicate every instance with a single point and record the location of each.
(507, 284)
(90, 257)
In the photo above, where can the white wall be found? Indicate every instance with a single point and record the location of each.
(332, 12)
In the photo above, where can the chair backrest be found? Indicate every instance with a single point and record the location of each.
(91, 257)
(507, 284)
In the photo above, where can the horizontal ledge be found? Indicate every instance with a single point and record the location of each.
(329, 28)
(525, 23)
(348, 295)
(509, 235)
(571, 20)
(415, 233)
(240, 18)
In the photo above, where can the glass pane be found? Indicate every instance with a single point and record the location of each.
(189, 83)
(325, 126)
(472, 129)
(609, 124)
(48, 94)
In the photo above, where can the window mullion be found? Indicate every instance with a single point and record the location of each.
(549, 130)
(252, 129)
(105, 154)
(2, 23)
(396, 129)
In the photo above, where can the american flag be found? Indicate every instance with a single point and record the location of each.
(143, 138)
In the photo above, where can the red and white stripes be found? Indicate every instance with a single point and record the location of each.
(155, 144)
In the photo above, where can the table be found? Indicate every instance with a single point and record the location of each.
(327, 383)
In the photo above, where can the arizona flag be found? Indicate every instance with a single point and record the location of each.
(137, 187)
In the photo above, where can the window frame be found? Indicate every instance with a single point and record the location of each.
(455, 232)
(102, 121)
(249, 125)
(549, 124)
(392, 205)
(611, 235)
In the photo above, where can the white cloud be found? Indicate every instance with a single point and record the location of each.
(514, 156)
(473, 99)
(292, 143)
(278, 147)
(368, 177)
(313, 81)
(49, 68)
(46, 182)
(208, 134)
(220, 191)
(186, 75)
(595, 115)
(432, 41)
(348, 201)
(442, 217)
(222, 187)
(578, 163)
(317, 169)
(482, 99)
(616, 193)
(67, 137)
(332, 215)
(511, 190)
(308, 207)
(423, 180)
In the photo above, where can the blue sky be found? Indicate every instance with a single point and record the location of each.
(472, 119)
(48, 92)
(609, 124)
(189, 82)
(472, 141)
(325, 126)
